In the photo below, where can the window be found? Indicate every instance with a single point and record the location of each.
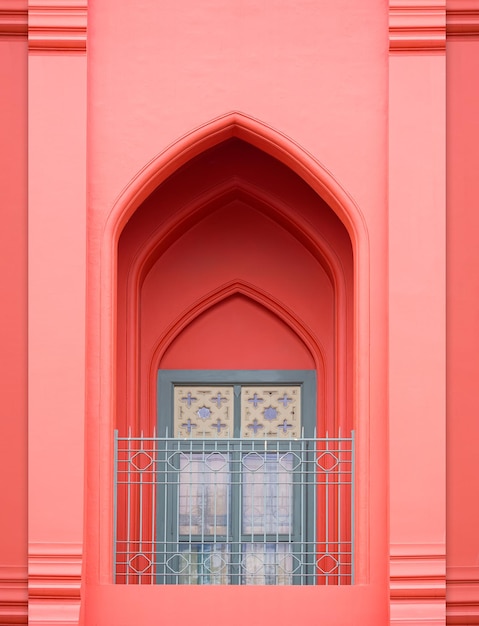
(236, 506)
(240, 489)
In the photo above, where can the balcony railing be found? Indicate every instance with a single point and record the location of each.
(234, 511)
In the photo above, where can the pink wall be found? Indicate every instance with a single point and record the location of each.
(463, 331)
(13, 338)
(365, 127)
(417, 333)
(56, 330)
(299, 70)
(297, 67)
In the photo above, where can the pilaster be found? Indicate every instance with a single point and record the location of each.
(417, 26)
(54, 581)
(57, 25)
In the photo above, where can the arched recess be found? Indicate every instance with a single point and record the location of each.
(111, 300)
(293, 331)
(245, 205)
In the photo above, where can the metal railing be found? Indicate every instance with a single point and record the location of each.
(234, 511)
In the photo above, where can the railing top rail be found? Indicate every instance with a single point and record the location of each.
(234, 439)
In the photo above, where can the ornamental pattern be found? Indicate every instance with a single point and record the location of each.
(203, 412)
(266, 412)
(271, 412)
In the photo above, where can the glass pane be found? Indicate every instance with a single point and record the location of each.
(203, 564)
(267, 564)
(204, 491)
(267, 493)
(271, 412)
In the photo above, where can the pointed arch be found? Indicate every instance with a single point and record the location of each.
(102, 403)
(270, 141)
(214, 298)
(184, 219)
(256, 133)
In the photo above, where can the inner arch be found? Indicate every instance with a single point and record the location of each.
(233, 237)
(216, 340)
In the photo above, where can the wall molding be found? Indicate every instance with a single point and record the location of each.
(462, 601)
(54, 582)
(13, 18)
(57, 25)
(13, 595)
(418, 584)
(463, 19)
(417, 27)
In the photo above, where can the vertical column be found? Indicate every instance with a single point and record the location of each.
(13, 326)
(462, 311)
(417, 330)
(57, 267)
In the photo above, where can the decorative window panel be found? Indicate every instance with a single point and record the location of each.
(203, 411)
(271, 411)
(209, 412)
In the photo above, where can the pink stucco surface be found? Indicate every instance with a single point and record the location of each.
(13, 336)
(386, 140)
(56, 297)
(297, 70)
(417, 288)
(463, 335)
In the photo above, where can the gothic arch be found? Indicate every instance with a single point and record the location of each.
(222, 293)
(102, 404)
(256, 133)
(185, 218)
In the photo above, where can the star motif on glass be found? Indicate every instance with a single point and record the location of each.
(204, 412)
(270, 413)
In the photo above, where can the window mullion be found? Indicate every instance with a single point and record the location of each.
(236, 491)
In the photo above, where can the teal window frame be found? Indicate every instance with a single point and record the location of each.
(303, 518)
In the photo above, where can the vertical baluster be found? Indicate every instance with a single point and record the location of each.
(115, 504)
(128, 518)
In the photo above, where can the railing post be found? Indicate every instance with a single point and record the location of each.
(353, 514)
(115, 501)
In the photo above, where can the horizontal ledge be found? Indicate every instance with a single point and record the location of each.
(462, 615)
(53, 550)
(56, 28)
(463, 574)
(50, 592)
(13, 23)
(463, 23)
(14, 616)
(418, 572)
(62, 45)
(54, 571)
(463, 592)
(419, 29)
(429, 45)
(427, 591)
(422, 29)
(13, 595)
